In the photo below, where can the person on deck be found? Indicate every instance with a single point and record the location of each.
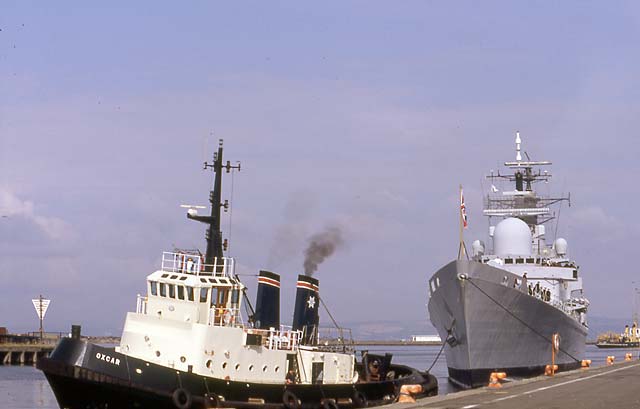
(290, 378)
(374, 371)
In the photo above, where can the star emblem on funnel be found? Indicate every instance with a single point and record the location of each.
(311, 302)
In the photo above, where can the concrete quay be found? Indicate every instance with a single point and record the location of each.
(614, 386)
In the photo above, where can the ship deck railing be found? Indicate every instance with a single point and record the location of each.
(336, 338)
(193, 263)
(283, 338)
(225, 317)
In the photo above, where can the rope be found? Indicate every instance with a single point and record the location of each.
(518, 319)
(444, 343)
(344, 345)
(328, 312)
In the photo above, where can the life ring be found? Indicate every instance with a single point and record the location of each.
(182, 398)
(290, 400)
(329, 404)
(227, 317)
(359, 399)
(211, 401)
(556, 342)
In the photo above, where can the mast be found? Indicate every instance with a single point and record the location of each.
(213, 236)
(522, 202)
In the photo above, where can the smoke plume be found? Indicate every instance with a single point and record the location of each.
(321, 246)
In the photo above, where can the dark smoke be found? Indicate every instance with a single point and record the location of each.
(321, 246)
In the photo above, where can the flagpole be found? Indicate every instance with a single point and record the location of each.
(462, 248)
(41, 329)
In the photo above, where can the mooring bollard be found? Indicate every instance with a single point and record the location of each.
(585, 364)
(550, 370)
(408, 392)
(495, 378)
(628, 356)
(610, 359)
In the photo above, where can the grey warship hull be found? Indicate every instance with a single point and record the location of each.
(491, 323)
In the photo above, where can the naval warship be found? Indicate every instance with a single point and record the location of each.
(502, 310)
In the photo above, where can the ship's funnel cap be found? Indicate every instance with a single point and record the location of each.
(267, 313)
(305, 314)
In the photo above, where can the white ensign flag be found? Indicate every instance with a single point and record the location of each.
(41, 308)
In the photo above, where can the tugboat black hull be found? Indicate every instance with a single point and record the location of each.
(84, 375)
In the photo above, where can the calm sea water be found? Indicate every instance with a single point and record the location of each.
(24, 387)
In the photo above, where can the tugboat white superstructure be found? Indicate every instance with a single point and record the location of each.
(499, 311)
(188, 345)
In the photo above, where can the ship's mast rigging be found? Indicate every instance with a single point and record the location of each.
(215, 245)
(523, 202)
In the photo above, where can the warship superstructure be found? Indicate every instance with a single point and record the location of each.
(498, 310)
(189, 345)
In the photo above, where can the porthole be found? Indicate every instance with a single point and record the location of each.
(183, 359)
(276, 369)
(224, 365)
(250, 368)
(157, 353)
(264, 368)
(237, 367)
(208, 363)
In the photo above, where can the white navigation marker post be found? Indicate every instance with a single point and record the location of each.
(41, 305)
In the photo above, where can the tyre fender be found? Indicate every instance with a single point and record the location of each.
(290, 400)
(182, 398)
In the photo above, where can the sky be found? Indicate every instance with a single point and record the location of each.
(361, 115)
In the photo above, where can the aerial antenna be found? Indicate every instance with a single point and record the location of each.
(215, 245)
(518, 142)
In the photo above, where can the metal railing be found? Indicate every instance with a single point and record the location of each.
(224, 317)
(283, 338)
(188, 263)
(336, 339)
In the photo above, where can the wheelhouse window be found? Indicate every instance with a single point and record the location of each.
(172, 291)
(235, 296)
(203, 294)
(190, 293)
(163, 290)
(154, 288)
(180, 292)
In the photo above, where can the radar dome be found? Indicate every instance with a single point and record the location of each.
(478, 248)
(561, 246)
(512, 237)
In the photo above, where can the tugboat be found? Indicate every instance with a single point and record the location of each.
(505, 311)
(630, 338)
(188, 344)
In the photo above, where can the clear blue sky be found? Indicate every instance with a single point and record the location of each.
(363, 114)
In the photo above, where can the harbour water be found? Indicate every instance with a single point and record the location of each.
(24, 387)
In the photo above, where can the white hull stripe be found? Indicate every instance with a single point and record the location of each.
(268, 281)
(308, 286)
